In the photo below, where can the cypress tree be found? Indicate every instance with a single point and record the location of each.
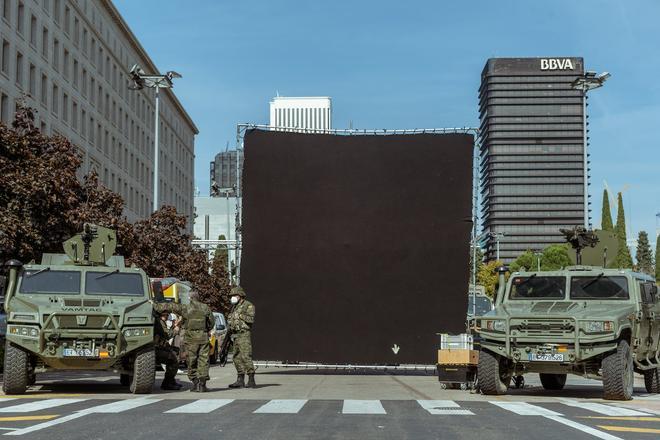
(644, 256)
(606, 216)
(657, 258)
(623, 257)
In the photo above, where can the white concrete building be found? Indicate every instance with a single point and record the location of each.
(304, 113)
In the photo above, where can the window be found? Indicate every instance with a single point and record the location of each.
(75, 73)
(65, 107)
(84, 41)
(65, 66)
(19, 69)
(83, 87)
(44, 89)
(599, 287)
(83, 122)
(32, 81)
(67, 20)
(74, 115)
(57, 8)
(5, 57)
(92, 51)
(44, 43)
(535, 287)
(76, 31)
(55, 100)
(6, 9)
(56, 54)
(50, 281)
(33, 30)
(20, 18)
(4, 108)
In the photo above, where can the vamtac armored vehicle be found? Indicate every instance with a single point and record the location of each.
(82, 310)
(585, 320)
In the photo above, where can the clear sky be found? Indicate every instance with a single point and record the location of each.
(408, 64)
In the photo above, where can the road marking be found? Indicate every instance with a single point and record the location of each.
(363, 407)
(38, 396)
(38, 406)
(444, 407)
(628, 429)
(525, 409)
(584, 428)
(281, 406)
(121, 406)
(631, 419)
(45, 425)
(26, 418)
(606, 410)
(200, 406)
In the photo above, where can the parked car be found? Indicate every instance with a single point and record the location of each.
(218, 336)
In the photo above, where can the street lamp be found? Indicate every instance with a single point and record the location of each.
(589, 81)
(157, 82)
(497, 236)
(215, 192)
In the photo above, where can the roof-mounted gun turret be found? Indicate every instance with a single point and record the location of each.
(92, 247)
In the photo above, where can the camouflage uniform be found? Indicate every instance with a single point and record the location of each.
(241, 319)
(197, 321)
(165, 353)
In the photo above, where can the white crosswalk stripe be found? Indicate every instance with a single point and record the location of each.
(281, 406)
(525, 409)
(200, 406)
(121, 406)
(444, 407)
(38, 405)
(606, 410)
(363, 407)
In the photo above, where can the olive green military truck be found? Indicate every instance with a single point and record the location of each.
(82, 310)
(584, 320)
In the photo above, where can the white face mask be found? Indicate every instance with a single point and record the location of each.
(234, 299)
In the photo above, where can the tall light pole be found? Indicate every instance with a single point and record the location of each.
(157, 82)
(497, 236)
(588, 81)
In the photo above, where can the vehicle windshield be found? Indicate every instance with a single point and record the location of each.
(113, 283)
(599, 287)
(481, 306)
(50, 281)
(536, 287)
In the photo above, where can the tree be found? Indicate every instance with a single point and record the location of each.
(555, 257)
(644, 256)
(606, 216)
(487, 276)
(657, 260)
(623, 259)
(526, 260)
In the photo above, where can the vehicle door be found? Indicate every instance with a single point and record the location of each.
(648, 314)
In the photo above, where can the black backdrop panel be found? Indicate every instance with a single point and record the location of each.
(352, 244)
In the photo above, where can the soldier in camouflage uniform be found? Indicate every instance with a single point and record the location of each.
(241, 319)
(197, 322)
(165, 353)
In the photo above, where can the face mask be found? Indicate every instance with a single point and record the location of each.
(234, 299)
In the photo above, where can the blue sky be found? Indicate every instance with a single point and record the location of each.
(408, 64)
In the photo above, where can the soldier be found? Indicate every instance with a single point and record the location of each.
(165, 352)
(241, 319)
(197, 321)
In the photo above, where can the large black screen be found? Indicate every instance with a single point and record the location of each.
(354, 245)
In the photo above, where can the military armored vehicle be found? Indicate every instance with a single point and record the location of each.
(584, 320)
(82, 310)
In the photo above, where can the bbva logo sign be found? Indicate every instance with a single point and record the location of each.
(557, 64)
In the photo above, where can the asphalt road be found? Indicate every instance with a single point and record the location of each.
(317, 404)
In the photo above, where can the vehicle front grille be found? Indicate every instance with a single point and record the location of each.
(543, 327)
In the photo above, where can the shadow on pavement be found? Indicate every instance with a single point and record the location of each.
(345, 372)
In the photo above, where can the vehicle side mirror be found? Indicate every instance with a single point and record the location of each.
(220, 327)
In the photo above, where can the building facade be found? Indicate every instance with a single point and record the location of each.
(223, 172)
(532, 147)
(302, 113)
(69, 59)
(215, 217)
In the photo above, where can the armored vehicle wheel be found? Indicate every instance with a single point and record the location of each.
(214, 357)
(652, 380)
(125, 379)
(492, 373)
(553, 381)
(144, 372)
(16, 377)
(618, 373)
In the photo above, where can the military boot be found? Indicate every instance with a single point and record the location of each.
(240, 382)
(170, 385)
(251, 383)
(195, 386)
(202, 386)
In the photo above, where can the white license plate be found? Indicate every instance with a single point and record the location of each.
(82, 352)
(546, 357)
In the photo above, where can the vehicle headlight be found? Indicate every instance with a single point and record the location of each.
(495, 325)
(25, 331)
(133, 332)
(599, 326)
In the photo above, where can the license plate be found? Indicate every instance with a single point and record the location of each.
(82, 352)
(546, 357)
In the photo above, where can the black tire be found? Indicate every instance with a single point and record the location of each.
(493, 374)
(553, 382)
(16, 377)
(144, 372)
(652, 380)
(618, 375)
(214, 357)
(125, 380)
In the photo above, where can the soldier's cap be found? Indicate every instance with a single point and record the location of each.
(237, 290)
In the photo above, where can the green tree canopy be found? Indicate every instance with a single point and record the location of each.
(606, 216)
(487, 276)
(657, 260)
(526, 260)
(623, 257)
(553, 257)
(644, 256)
